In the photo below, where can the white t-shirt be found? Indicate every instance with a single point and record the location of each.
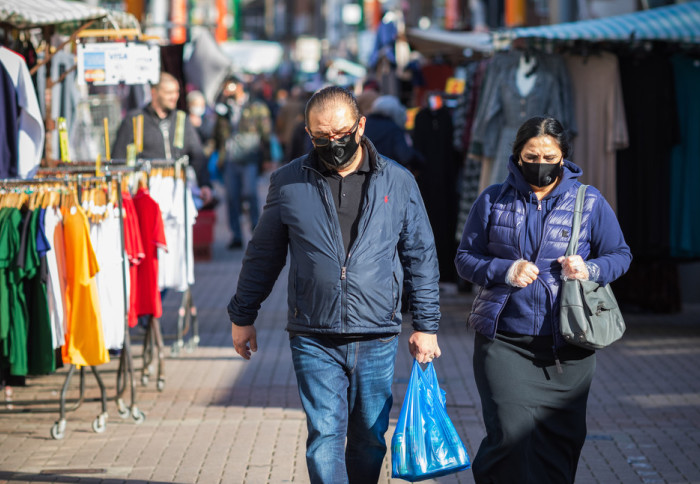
(106, 240)
(176, 265)
(55, 284)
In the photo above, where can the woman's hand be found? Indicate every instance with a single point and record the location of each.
(522, 273)
(573, 267)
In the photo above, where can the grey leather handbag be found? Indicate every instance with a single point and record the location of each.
(589, 315)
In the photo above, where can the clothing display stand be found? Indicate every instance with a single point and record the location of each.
(125, 372)
(125, 369)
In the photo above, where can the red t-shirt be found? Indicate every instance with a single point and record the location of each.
(152, 237)
(134, 252)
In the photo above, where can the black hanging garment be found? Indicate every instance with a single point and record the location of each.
(433, 137)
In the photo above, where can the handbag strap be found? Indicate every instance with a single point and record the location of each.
(576, 224)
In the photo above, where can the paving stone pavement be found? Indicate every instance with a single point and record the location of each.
(220, 419)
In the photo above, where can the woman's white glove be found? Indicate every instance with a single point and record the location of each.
(522, 273)
(573, 267)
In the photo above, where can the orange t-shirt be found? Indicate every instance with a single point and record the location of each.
(85, 345)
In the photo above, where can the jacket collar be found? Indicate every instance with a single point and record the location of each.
(152, 112)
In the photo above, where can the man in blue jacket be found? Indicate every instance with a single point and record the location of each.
(356, 228)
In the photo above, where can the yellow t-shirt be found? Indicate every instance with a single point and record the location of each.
(85, 344)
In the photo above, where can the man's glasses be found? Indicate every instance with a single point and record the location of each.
(342, 138)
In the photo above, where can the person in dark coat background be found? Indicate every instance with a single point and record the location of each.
(433, 137)
(384, 128)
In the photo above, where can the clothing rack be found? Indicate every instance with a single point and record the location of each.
(125, 371)
(187, 313)
(125, 366)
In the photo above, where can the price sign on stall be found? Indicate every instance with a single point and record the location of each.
(109, 63)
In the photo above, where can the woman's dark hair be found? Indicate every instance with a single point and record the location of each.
(541, 126)
(331, 95)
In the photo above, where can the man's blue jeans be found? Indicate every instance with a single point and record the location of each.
(241, 180)
(345, 388)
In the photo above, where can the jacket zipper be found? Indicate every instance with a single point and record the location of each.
(344, 267)
(543, 226)
(323, 186)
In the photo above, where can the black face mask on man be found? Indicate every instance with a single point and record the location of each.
(337, 154)
(540, 174)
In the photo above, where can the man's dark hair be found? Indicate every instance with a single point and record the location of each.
(331, 95)
(541, 126)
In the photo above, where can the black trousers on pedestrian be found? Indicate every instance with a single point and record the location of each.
(535, 417)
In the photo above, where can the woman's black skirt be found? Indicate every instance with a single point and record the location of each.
(535, 417)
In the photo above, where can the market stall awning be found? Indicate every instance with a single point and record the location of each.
(676, 23)
(36, 13)
(435, 41)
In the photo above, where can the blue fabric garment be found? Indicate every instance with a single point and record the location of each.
(685, 161)
(42, 243)
(508, 223)
(329, 291)
(384, 43)
(9, 126)
(345, 389)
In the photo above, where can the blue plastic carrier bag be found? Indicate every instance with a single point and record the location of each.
(425, 443)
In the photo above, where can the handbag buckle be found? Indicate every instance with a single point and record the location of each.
(599, 309)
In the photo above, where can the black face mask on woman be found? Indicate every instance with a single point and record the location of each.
(337, 154)
(540, 174)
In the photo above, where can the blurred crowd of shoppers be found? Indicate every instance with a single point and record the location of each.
(257, 124)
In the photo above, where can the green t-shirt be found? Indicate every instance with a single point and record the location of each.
(13, 315)
(40, 354)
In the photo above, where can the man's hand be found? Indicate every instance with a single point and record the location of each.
(242, 336)
(423, 347)
(205, 194)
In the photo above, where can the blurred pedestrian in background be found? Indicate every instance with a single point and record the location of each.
(242, 138)
(159, 125)
(370, 92)
(290, 114)
(385, 129)
(203, 118)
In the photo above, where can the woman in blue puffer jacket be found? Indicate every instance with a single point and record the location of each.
(533, 386)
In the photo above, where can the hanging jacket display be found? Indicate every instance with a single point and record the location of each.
(30, 133)
(643, 167)
(503, 108)
(685, 165)
(600, 117)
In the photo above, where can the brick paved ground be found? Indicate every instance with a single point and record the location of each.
(221, 419)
